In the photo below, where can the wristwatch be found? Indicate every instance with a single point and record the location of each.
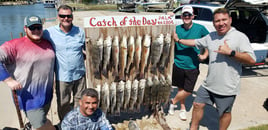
(232, 53)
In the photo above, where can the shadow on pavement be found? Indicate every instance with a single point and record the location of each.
(210, 118)
(9, 128)
(265, 104)
(129, 115)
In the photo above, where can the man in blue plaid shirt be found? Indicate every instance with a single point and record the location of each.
(87, 116)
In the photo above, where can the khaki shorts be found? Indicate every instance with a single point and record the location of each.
(38, 117)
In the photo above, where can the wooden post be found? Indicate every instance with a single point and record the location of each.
(21, 34)
(11, 35)
(15, 97)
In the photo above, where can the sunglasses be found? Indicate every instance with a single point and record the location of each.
(32, 28)
(64, 16)
(186, 14)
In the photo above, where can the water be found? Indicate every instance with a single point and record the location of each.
(12, 18)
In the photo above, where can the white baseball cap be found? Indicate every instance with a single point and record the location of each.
(188, 9)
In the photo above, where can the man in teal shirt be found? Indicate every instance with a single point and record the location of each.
(186, 60)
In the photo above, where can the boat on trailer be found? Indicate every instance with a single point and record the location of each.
(49, 3)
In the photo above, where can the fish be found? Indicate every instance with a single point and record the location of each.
(119, 96)
(132, 125)
(154, 90)
(133, 96)
(105, 99)
(166, 94)
(127, 94)
(156, 51)
(98, 89)
(140, 96)
(137, 55)
(167, 90)
(107, 46)
(161, 88)
(169, 80)
(130, 53)
(115, 55)
(148, 91)
(122, 57)
(112, 97)
(97, 52)
(165, 53)
(145, 54)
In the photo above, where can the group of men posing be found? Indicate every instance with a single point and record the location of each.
(27, 65)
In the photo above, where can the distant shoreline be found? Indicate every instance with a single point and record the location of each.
(15, 3)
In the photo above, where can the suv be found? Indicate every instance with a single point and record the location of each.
(246, 17)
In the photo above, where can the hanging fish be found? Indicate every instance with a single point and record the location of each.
(167, 92)
(137, 55)
(130, 53)
(127, 93)
(140, 95)
(134, 92)
(161, 88)
(156, 51)
(169, 79)
(105, 99)
(97, 52)
(98, 89)
(155, 90)
(165, 53)
(148, 91)
(145, 54)
(115, 55)
(122, 57)
(112, 97)
(119, 96)
(107, 45)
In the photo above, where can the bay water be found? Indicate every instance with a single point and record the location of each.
(12, 19)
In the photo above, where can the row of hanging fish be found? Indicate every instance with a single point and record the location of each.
(121, 55)
(128, 96)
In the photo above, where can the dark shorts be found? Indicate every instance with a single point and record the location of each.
(223, 104)
(184, 79)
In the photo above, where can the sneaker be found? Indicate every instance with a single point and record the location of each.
(27, 126)
(183, 115)
(171, 109)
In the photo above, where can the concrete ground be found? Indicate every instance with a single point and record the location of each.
(247, 111)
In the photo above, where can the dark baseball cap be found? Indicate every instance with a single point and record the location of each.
(31, 20)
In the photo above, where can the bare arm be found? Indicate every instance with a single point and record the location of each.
(242, 57)
(13, 84)
(204, 55)
(187, 42)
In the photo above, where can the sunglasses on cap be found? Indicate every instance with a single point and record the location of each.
(64, 16)
(32, 28)
(186, 14)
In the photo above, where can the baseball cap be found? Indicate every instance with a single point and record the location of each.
(31, 20)
(187, 8)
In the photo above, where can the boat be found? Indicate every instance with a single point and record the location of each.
(49, 3)
(156, 5)
(127, 5)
